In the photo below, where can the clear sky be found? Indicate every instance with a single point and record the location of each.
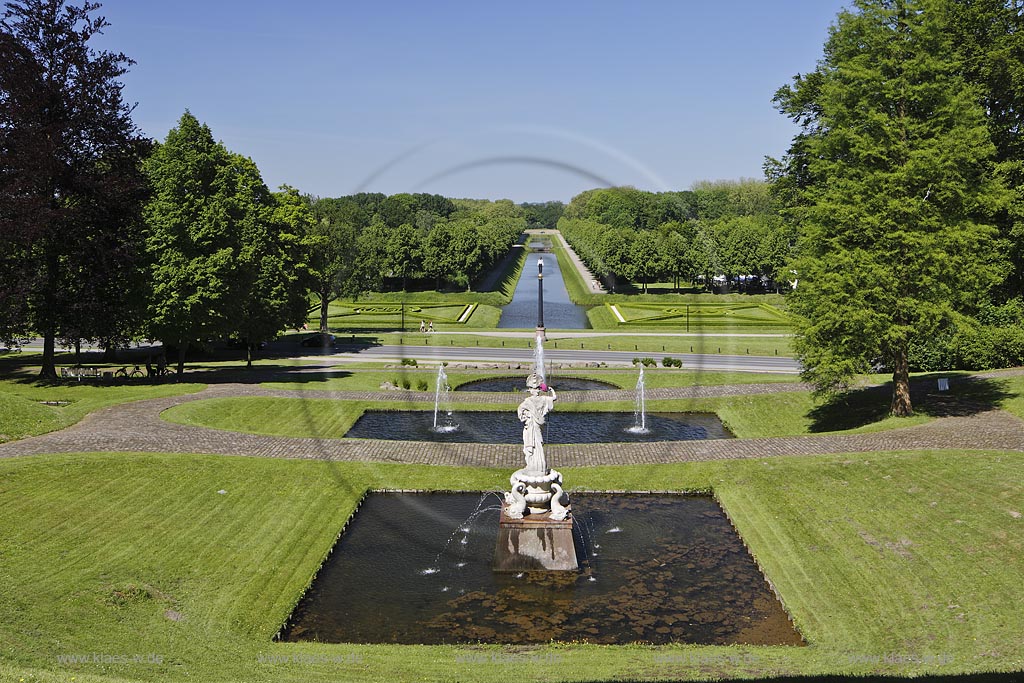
(526, 100)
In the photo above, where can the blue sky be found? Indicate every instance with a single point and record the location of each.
(527, 100)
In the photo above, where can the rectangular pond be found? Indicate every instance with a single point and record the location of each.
(656, 568)
(561, 427)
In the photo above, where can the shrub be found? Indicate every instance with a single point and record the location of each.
(409, 361)
(422, 385)
(649, 362)
(406, 384)
(670, 362)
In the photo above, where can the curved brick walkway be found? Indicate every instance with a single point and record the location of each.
(138, 427)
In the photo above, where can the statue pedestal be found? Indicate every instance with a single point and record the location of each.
(534, 543)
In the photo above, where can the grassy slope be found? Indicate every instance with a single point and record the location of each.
(786, 414)
(22, 414)
(341, 380)
(654, 346)
(914, 553)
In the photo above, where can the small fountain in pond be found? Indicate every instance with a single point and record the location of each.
(640, 412)
(443, 422)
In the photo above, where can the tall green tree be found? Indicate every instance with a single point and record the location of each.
(227, 257)
(70, 183)
(331, 240)
(404, 252)
(193, 239)
(988, 37)
(274, 274)
(892, 185)
(645, 257)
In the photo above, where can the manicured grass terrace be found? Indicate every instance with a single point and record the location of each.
(873, 554)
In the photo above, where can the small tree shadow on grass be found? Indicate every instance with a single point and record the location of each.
(967, 395)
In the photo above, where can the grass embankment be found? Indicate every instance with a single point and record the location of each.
(789, 413)
(343, 378)
(919, 555)
(29, 407)
(655, 347)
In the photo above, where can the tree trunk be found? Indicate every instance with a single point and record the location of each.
(248, 355)
(110, 352)
(324, 303)
(78, 352)
(49, 369)
(182, 350)
(901, 406)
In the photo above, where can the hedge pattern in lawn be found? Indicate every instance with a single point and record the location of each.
(700, 315)
(454, 314)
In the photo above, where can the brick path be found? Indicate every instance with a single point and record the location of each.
(138, 427)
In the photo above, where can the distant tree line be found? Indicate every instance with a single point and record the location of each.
(726, 229)
(373, 242)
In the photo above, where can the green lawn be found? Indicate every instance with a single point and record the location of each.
(656, 347)
(343, 378)
(786, 414)
(23, 413)
(918, 554)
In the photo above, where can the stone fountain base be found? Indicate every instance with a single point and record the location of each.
(534, 542)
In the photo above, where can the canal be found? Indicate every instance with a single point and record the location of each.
(560, 313)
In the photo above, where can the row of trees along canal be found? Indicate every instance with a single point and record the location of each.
(725, 228)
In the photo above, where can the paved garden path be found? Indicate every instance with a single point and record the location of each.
(138, 427)
(593, 285)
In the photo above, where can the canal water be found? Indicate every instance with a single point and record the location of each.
(560, 312)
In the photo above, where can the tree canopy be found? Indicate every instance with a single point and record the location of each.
(70, 184)
(891, 182)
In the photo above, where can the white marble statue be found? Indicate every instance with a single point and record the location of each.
(515, 500)
(532, 412)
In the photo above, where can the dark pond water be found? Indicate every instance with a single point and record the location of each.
(416, 568)
(519, 384)
(561, 428)
(559, 312)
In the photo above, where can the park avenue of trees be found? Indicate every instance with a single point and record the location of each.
(898, 205)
